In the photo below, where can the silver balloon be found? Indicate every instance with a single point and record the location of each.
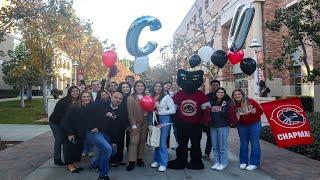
(243, 26)
(141, 64)
(240, 26)
(134, 33)
(233, 25)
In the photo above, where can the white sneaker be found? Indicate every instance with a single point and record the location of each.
(154, 164)
(162, 169)
(221, 167)
(215, 166)
(251, 167)
(243, 166)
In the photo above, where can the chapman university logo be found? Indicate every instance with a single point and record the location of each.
(288, 116)
(188, 107)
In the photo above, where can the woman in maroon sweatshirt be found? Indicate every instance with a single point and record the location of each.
(248, 114)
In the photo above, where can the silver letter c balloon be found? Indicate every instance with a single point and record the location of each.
(134, 34)
(240, 26)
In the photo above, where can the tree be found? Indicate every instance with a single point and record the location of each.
(19, 71)
(302, 25)
(40, 33)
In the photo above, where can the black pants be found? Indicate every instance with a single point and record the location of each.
(186, 132)
(118, 157)
(209, 143)
(72, 152)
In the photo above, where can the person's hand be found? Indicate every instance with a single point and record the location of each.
(253, 111)
(71, 138)
(238, 116)
(156, 112)
(134, 130)
(95, 130)
(114, 145)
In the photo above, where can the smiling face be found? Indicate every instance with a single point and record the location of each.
(96, 86)
(116, 98)
(158, 88)
(139, 88)
(113, 87)
(220, 94)
(75, 93)
(125, 88)
(237, 96)
(104, 96)
(86, 98)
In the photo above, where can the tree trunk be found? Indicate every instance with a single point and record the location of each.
(29, 92)
(22, 105)
(44, 92)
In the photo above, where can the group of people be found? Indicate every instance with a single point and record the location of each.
(103, 118)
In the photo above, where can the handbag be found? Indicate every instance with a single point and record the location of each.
(172, 140)
(153, 139)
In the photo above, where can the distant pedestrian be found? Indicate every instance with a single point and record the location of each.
(264, 90)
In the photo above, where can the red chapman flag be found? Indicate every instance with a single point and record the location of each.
(288, 122)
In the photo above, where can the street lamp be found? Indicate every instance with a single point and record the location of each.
(255, 45)
(75, 65)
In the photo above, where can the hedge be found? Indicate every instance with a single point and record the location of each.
(313, 150)
(8, 93)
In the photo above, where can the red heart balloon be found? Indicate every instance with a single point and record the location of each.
(147, 103)
(235, 56)
(109, 58)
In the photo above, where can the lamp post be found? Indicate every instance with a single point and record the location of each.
(255, 45)
(75, 65)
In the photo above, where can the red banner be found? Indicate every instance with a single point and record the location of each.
(288, 122)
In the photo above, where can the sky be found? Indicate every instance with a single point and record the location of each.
(111, 20)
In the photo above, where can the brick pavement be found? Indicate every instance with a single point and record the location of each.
(280, 163)
(20, 160)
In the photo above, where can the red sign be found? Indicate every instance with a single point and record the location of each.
(288, 122)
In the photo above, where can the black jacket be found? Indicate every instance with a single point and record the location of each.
(110, 121)
(60, 110)
(74, 122)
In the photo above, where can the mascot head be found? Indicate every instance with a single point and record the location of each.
(189, 81)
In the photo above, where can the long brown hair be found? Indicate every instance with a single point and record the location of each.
(244, 101)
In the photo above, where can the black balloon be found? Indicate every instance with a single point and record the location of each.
(248, 66)
(194, 60)
(219, 58)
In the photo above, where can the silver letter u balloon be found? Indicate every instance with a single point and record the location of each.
(134, 34)
(240, 26)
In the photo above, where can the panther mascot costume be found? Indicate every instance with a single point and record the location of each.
(193, 109)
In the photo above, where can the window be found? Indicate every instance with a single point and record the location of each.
(297, 79)
(200, 11)
(241, 82)
(206, 4)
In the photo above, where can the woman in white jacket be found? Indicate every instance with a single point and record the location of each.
(164, 108)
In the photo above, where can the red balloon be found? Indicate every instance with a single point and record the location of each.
(147, 103)
(235, 56)
(109, 58)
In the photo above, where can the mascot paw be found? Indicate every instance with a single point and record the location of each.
(195, 165)
(176, 164)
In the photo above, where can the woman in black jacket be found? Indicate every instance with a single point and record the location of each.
(56, 117)
(74, 126)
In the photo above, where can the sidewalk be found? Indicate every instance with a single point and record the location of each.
(18, 98)
(21, 132)
(31, 160)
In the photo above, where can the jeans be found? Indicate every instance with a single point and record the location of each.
(219, 138)
(250, 133)
(59, 138)
(161, 153)
(87, 148)
(100, 141)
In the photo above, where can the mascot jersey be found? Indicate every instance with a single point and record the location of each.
(190, 106)
(190, 101)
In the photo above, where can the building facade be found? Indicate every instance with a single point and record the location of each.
(216, 16)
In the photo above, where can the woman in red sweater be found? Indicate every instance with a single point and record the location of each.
(248, 113)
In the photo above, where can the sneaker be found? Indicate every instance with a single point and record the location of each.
(215, 166)
(221, 167)
(251, 167)
(162, 169)
(243, 166)
(154, 165)
(103, 178)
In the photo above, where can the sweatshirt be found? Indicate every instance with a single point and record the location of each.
(219, 114)
(249, 117)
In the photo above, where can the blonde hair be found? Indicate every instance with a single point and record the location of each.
(244, 101)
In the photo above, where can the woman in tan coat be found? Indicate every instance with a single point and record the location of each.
(139, 126)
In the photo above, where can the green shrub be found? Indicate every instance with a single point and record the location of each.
(312, 150)
(8, 93)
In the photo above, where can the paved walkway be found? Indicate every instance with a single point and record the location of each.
(19, 132)
(31, 161)
(18, 98)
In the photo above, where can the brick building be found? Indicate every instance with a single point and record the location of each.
(221, 12)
